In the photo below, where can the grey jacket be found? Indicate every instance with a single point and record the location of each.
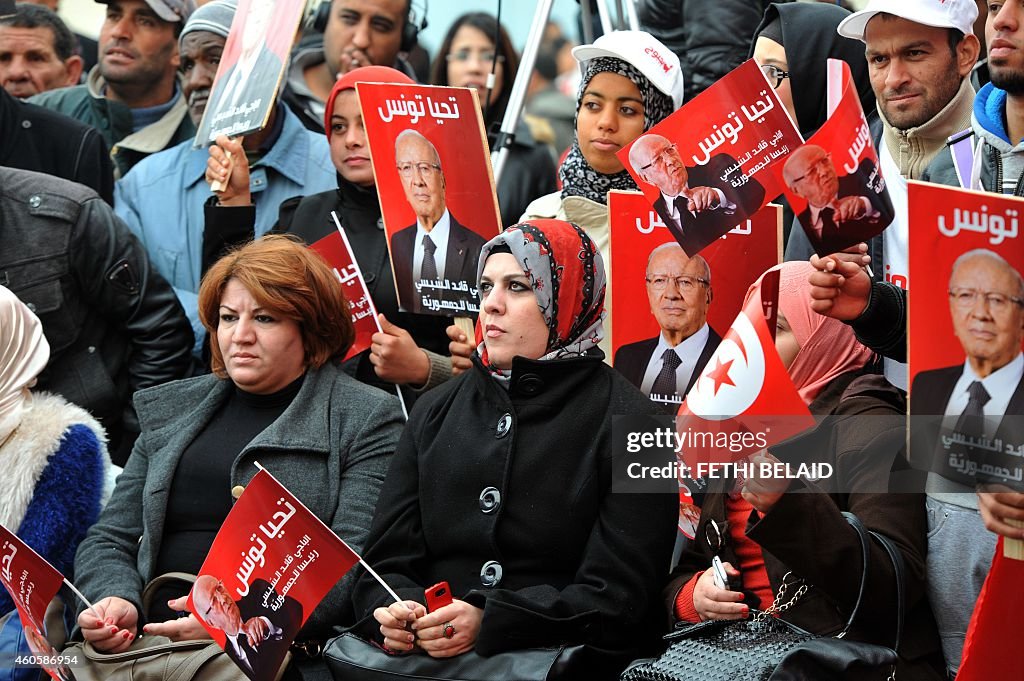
(331, 448)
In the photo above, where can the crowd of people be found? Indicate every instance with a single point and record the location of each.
(163, 326)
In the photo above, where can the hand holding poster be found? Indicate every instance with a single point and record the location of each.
(691, 301)
(966, 327)
(270, 565)
(251, 68)
(833, 182)
(703, 181)
(336, 251)
(433, 175)
(32, 584)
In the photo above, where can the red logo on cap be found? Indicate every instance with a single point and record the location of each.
(657, 57)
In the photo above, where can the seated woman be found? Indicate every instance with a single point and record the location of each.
(55, 463)
(766, 528)
(413, 349)
(621, 97)
(278, 326)
(519, 516)
(464, 60)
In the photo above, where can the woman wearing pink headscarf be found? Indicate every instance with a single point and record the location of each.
(53, 456)
(764, 529)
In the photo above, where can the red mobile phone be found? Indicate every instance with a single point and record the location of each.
(438, 596)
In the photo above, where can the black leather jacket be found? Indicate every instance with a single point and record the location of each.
(113, 323)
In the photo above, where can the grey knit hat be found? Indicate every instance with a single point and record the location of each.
(215, 17)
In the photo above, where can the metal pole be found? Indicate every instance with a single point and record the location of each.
(517, 98)
(632, 19)
(588, 22)
(606, 18)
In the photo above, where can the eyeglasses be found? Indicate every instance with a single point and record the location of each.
(426, 170)
(662, 156)
(998, 303)
(467, 55)
(817, 169)
(684, 283)
(773, 72)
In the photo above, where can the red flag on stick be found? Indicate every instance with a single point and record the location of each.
(270, 565)
(744, 400)
(32, 583)
(991, 646)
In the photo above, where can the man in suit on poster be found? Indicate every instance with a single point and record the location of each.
(695, 203)
(982, 400)
(679, 292)
(254, 633)
(249, 77)
(436, 247)
(840, 210)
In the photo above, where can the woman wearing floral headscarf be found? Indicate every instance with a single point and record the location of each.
(516, 510)
(54, 459)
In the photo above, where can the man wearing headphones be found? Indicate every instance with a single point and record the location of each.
(355, 33)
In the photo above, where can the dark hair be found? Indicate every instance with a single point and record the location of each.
(36, 16)
(485, 23)
(293, 281)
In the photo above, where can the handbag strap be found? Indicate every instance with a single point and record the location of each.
(154, 585)
(896, 555)
(898, 569)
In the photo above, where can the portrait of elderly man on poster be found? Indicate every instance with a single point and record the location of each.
(244, 93)
(694, 203)
(841, 211)
(435, 258)
(679, 293)
(256, 636)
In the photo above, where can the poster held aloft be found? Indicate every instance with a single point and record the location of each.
(433, 176)
(833, 182)
(251, 68)
(704, 179)
(965, 332)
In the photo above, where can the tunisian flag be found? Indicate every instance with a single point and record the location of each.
(336, 250)
(32, 583)
(270, 565)
(744, 400)
(992, 645)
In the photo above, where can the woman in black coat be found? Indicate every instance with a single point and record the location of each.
(502, 485)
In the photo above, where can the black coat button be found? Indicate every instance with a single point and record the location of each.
(490, 499)
(531, 384)
(504, 426)
(490, 574)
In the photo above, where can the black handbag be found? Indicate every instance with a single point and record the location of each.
(352, 658)
(766, 648)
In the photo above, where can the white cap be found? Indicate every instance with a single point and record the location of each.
(643, 51)
(958, 14)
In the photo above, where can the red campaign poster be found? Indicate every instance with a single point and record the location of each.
(640, 241)
(744, 400)
(704, 168)
(270, 565)
(336, 250)
(433, 174)
(32, 583)
(965, 325)
(251, 68)
(833, 182)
